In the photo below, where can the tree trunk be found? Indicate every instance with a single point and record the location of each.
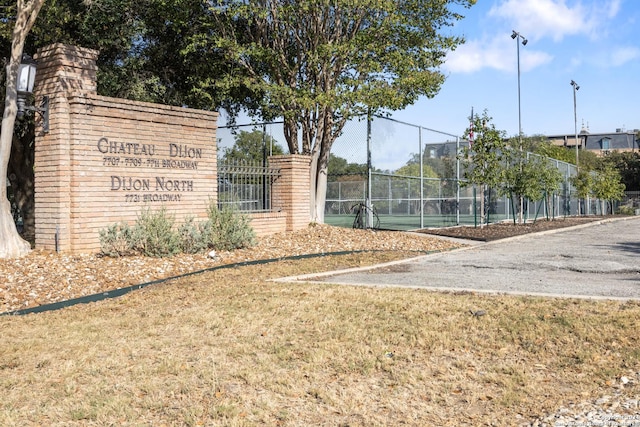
(482, 212)
(319, 167)
(521, 212)
(321, 194)
(313, 186)
(11, 244)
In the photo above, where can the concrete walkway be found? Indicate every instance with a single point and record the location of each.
(596, 260)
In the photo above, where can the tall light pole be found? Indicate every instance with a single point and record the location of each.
(517, 37)
(576, 87)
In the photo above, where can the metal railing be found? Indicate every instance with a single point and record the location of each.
(244, 186)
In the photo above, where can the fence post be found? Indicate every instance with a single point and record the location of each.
(291, 192)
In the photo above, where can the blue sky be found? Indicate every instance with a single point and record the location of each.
(593, 42)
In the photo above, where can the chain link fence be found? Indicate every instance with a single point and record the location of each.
(401, 176)
(416, 181)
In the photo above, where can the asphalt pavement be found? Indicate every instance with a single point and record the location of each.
(596, 260)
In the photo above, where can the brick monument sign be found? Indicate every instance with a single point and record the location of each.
(105, 159)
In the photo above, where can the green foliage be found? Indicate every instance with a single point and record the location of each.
(444, 167)
(192, 236)
(531, 177)
(155, 234)
(491, 162)
(227, 229)
(483, 161)
(550, 178)
(252, 147)
(583, 182)
(118, 240)
(628, 165)
(547, 149)
(606, 184)
(318, 64)
(339, 56)
(342, 170)
(315, 63)
(517, 177)
(627, 209)
(413, 169)
(588, 160)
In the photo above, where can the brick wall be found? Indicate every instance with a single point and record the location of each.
(266, 223)
(291, 192)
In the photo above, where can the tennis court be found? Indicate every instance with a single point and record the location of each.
(406, 222)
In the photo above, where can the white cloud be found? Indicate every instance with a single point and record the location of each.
(613, 7)
(621, 56)
(545, 24)
(468, 58)
(555, 19)
(498, 54)
(532, 59)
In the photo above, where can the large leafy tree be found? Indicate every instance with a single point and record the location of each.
(252, 147)
(315, 63)
(318, 63)
(628, 165)
(340, 169)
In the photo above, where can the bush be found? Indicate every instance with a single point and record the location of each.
(154, 234)
(227, 229)
(192, 239)
(626, 210)
(117, 240)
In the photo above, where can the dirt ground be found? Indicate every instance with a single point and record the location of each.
(509, 229)
(44, 277)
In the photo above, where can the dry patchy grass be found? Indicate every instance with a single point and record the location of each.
(231, 348)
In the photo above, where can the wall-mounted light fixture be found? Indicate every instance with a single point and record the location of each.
(26, 79)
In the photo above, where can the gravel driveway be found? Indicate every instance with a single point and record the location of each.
(596, 260)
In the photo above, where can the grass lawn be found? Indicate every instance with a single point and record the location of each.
(230, 348)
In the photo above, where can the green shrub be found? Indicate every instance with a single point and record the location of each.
(227, 229)
(626, 210)
(192, 236)
(155, 235)
(117, 240)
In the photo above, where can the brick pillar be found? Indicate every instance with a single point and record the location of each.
(291, 192)
(62, 71)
